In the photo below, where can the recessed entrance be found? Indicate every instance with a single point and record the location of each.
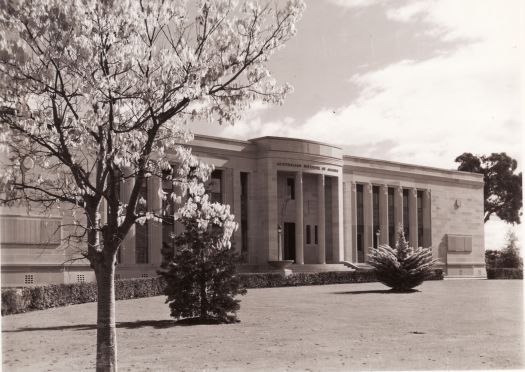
(289, 241)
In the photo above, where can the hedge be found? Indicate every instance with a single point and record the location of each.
(504, 273)
(20, 300)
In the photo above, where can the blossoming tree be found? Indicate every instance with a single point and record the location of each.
(96, 93)
(200, 272)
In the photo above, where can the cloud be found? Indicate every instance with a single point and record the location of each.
(355, 3)
(429, 111)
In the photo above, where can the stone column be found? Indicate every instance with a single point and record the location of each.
(270, 203)
(347, 221)
(398, 211)
(299, 214)
(154, 228)
(340, 256)
(322, 219)
(383, 214)
(368, 219)
(353, 201)
(412, 217)
(427, 220)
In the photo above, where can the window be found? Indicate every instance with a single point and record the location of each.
(360, 223)
(290, 188)
(244, 216)
(144, 275)
(141, 230)
(168, 216)
(81, 278)
(420, 218)
(316, 235)
(29, 279)
(308, 235)
(406, 222)
(375, 213)
(214, 186)
(117, 276)
(391, 218)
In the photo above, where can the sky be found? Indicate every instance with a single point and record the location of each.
(411, 81)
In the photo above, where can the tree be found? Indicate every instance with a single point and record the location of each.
(510, 254)
(503, 189)
(403, 267)
(200, 274)
(97, 93)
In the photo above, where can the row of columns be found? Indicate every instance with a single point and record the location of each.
(321, 210)
(384, 224)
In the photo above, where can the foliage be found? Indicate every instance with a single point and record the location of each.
(502, 189)
(401, 268)
(201, 281)
(504, 273)
(94, 94)
(508, 257)
(20, 300)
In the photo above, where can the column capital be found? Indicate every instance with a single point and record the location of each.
(369, 187)
(384, 187)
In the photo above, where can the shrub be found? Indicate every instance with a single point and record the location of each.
(508, 257)
(401, 268)
(20, 300)
(504, 273)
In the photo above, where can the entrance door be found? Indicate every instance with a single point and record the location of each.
(289, 241)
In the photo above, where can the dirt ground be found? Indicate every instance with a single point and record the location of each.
(452, 324)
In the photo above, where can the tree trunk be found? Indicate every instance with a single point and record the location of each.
(204, 305)
(106, 332)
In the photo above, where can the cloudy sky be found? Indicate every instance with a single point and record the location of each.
(410, 81)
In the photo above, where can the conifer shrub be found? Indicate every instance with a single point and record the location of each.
(200, 273)
(401, 268)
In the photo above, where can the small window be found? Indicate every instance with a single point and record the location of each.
(81, 278)
(143, 275)
(290, 188)
(29, 279)
(316, 237)
(308, 235)
(117, 276)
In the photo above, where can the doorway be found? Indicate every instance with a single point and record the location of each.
(289, 241)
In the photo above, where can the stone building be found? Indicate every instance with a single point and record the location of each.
(293, 199)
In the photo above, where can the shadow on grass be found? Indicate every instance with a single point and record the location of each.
(157, 324)
(381, 291)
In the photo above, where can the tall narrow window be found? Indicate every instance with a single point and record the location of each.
(316, 235)
(141, 230)
(215, 186)
(360, 223)
(375, 214)
(391, 218)
(290, 188)
(244, 216)
(168, 216)
(406, 222)
(308, 235)
(420, 218)
(117, 197)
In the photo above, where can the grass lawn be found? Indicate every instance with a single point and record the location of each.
(451, 324)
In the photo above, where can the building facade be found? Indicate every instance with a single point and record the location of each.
(293, 199)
